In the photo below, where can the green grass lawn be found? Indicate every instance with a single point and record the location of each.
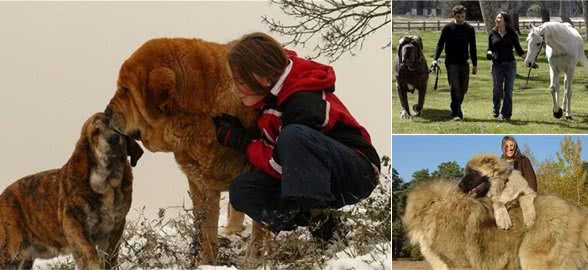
(532, 107)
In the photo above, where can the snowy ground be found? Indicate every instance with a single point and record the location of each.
(378, 256)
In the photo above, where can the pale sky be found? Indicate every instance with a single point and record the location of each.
(59, 62)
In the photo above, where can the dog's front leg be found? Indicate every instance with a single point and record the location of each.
(258, 245)
(501, 215)
(527, 203)
(112, 247)
(77, 235)
(206, 213)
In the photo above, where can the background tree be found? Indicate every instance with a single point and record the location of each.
(489, 11)
(420, 175)
(398, 205)
(449, 170)
(564, 11)
(564, 175)
(526, 151)
(544, 11)
(341, 25)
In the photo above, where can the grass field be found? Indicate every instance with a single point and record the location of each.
(532, 107)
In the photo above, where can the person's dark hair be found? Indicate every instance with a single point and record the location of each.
(257, 53)
(507, 22)
(512, 139)
(458, 9)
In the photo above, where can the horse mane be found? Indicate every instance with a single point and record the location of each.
(548, 29)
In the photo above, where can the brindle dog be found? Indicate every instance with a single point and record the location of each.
(411, 72)
(74, 209)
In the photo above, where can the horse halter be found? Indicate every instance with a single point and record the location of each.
(540, 47)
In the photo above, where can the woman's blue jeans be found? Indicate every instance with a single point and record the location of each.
(503, 76)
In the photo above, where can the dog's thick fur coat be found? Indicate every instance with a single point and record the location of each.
(168, 91)
(411, 75)
(72, 209)
(506, 186)
(455, 230)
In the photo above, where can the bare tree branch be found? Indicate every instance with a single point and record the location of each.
(341, 26)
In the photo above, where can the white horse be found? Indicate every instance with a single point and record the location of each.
(564, 49)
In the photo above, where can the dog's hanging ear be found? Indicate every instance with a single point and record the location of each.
(79, 162)
(162, 88)
(134, 150)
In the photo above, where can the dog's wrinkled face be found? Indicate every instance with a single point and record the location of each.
(142, 104)
(108, 145)
(475, 183)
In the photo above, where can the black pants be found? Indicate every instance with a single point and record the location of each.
(458, 77)
(317, 172)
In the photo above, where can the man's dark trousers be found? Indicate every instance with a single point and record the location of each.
(458, 77)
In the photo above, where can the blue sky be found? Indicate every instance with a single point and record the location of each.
(414, 152)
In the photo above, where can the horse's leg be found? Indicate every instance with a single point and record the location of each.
(403, 96)
(568, 78)
(554, 88)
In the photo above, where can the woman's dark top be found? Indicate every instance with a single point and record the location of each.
(501, 46)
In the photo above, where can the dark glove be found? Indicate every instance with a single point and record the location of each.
(230, 132)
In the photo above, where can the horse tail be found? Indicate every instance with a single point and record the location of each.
(584, 61)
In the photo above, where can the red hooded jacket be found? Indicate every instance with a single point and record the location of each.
(305, 96)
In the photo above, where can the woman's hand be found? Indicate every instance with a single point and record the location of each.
(230, 132)
(489, 55)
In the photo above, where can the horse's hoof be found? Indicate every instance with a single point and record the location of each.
(558, 114)
(569, 118)
(405, 114)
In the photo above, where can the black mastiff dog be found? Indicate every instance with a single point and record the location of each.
(411, 72)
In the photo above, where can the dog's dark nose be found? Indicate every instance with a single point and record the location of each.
(114, 139)
(108, 111)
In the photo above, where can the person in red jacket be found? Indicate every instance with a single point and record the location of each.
(312, 154)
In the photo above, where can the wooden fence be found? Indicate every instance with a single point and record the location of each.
(479, 26)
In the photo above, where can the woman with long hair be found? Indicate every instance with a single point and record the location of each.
(501, 42)
(512, 154)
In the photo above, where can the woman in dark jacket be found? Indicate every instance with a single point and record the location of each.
(311, 153)
(512, 154)
(501, 42)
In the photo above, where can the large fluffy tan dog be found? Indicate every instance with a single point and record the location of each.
(504, 186)
(455, 231)
(167, 93)
(72, 209)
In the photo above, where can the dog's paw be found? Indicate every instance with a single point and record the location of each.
(405, 115)
(418, 111)
(502, 218)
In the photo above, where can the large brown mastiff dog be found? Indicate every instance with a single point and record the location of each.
(72, 209)
(167, 93)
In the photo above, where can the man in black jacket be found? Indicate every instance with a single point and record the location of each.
(457, 37)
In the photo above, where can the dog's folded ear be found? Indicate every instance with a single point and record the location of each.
(79, 160)
(134, 150)
(162, 87)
